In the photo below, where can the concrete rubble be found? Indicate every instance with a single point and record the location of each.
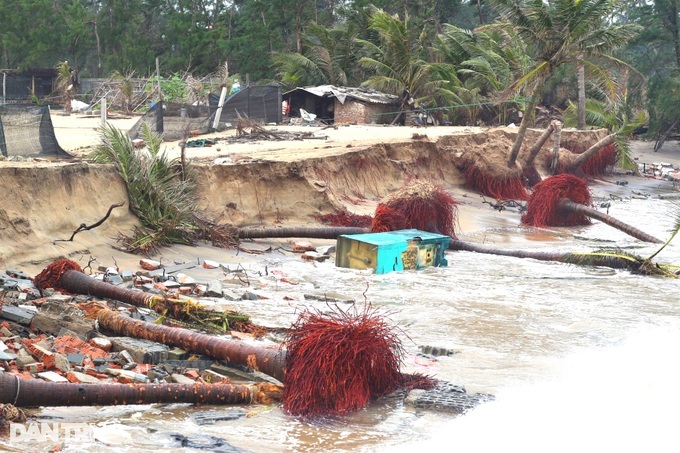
(49, 336)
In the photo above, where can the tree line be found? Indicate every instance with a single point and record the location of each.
(599, 62)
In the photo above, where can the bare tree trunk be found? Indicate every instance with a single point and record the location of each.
(268, 361)
(581, 76)
(577, 208)
(662, 138)
(533, 152)
(35, 393)
(582, 158)
(557, 143)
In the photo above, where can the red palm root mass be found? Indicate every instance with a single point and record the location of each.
(598, 163)
(50, 277)
(499, 187)
(418, 205)
(543, 208)
(336, 363)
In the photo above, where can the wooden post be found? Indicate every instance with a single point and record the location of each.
(220, 104)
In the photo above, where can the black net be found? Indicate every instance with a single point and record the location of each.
(260, 103)
(27, 131)
(174, 121)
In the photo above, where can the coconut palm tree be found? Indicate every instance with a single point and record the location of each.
(398, 61)
(559, 32)
(329, 56)
(486, 60)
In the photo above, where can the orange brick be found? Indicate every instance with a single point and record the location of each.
(49, 361)
(191, 373)
(142, 368)
(71, 377)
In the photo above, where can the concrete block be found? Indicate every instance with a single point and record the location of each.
(127, 375)
(51, 376)
(181, 379)
(76, 359)
(17, 315)
(214, 289)
(7, 356)
(24, 361)
(177, 354)
(141, 351)
(61, 363)
(83, 378)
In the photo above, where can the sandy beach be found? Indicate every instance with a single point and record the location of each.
(268, 182)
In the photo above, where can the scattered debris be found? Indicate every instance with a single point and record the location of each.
(249, 130)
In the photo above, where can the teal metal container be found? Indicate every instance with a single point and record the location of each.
(391, 251)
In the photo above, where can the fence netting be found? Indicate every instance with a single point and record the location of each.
(27, 130)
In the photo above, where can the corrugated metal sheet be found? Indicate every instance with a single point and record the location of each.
(368, 95)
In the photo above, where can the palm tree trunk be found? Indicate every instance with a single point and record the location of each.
(524, 125)
(577, 208)
(35, 393)
(533, 152)
(562, 257)
(299, 232)
(557, 143)
(581, 73)
(268, 361)
(582, 158)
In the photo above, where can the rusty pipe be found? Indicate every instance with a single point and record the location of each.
(35, 392)
(268, 361)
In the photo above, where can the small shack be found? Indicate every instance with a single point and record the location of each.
(19, 86)
(333, 104)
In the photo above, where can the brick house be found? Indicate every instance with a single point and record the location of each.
(333, 104)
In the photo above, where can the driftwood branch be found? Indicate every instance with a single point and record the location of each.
(84, 227)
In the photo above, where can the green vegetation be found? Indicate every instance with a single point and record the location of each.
(162, 194)
(462, 57)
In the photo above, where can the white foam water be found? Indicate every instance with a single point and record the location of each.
(619, 398)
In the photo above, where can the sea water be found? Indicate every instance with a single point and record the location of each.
(578, 358)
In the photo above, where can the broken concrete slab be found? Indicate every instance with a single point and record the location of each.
(51, 376)
(16, 314)
(181, 379)
(83, 378)
(168, 270)
(141, 351)
(214, 289)
(127, 375)
(7, 356)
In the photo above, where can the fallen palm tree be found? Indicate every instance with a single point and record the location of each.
(334, 363)
(528, 168)
(563, 200)
(615, 259)
(21, 392)
(298, 232)
(66, 275)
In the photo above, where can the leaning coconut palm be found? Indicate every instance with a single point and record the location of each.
(398, 61)
(559, 32)
(485, 60)
(570, 163)
(161, 193)
(329, 56)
